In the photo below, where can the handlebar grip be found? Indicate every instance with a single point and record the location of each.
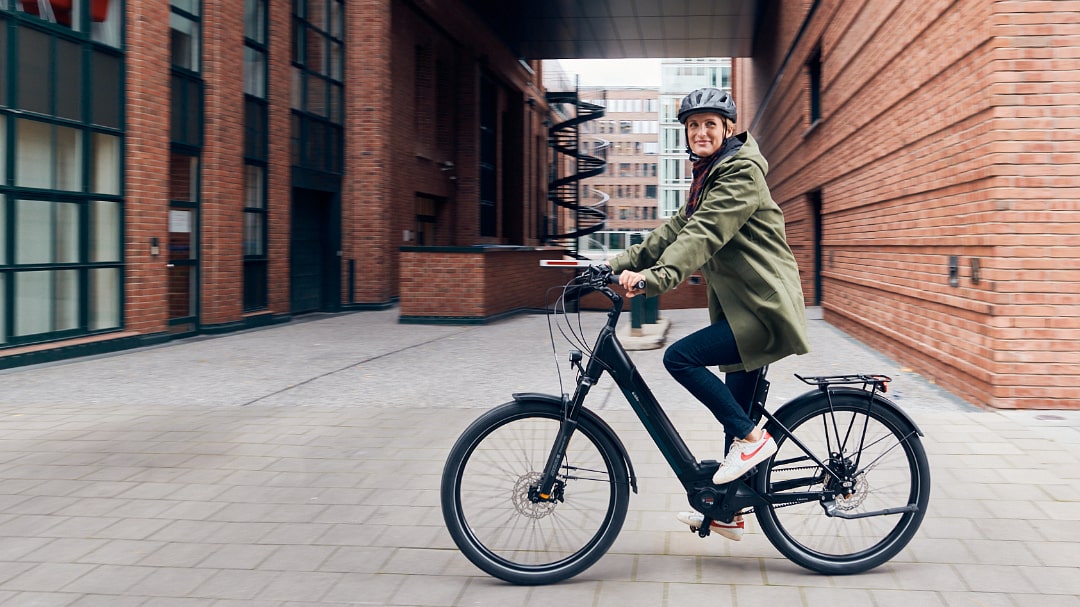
(614, 279)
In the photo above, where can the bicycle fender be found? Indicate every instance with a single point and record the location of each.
(593, 419)
(879, 401)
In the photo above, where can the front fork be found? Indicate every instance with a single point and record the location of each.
(545, 489)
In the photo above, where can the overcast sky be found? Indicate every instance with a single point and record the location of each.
(614, 72)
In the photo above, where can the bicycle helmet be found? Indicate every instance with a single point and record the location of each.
(707, 100)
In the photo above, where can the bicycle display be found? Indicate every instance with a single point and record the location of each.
(537, 489)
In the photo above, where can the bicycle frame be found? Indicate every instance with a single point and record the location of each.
(718, 502)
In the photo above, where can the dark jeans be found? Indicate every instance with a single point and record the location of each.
(729, 402)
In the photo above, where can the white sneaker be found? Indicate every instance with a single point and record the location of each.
(732, 531)
(743, 456)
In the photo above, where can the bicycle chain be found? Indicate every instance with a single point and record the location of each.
(750, 510)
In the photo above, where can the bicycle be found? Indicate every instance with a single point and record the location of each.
(536, 490)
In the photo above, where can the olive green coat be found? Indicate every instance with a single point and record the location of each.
(736, 237)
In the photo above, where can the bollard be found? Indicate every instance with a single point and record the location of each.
(637, 315)
(643, 310)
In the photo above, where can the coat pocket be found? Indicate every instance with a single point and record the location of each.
(757, 285)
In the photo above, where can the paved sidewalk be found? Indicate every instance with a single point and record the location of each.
(298, 465)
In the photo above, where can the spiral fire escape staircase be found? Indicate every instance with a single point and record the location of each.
(572, 218)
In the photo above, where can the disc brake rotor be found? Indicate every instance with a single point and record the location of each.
(524, 505)
(856, 497)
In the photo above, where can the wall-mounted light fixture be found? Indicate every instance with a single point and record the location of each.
(954, 271)
(975, 270)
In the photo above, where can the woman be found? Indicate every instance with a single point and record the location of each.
(731, 229)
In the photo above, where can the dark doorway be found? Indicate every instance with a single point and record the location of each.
(815, 215)
(315, 282)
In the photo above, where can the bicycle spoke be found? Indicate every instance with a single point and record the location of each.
(500, 514)
(841, 436)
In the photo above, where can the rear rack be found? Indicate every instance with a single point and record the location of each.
(880, 382)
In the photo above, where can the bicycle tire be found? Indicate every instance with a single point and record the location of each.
(485, 501)
(895, 474)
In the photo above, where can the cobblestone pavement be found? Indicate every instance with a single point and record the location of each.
(299, 465)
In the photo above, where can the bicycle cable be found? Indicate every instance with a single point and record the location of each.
(574, 336)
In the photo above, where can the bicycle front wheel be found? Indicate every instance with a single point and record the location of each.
(875, 464)
(496, 520)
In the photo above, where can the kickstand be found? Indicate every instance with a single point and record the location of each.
(703, 530)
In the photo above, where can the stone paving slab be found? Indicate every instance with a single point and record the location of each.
(299, 465)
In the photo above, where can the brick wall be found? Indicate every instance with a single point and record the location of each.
(936, 142)
(279, 180)
(1035, 119)
(399, 140)
(474, 284)
(366, 228)
(146, 165)
(222, 196)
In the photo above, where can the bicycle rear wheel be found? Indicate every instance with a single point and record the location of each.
(877, 453)
(497, 524)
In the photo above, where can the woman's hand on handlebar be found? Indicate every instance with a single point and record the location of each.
(632, 282)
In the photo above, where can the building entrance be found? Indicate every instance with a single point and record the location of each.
(315, 264)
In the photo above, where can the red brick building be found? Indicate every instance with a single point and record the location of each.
(178, 167)
(212, 166)
(925, 157)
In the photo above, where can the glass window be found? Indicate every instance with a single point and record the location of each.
(33, 302)
(255, 126)
(337, 105)
(336, 61)
(254, 72)
(316, 13)
(253, 234)
(315, 57)
(190, 6)
(33, 154)
(181, 234)
(3, 64)
(189, 100)
(69, 159)
(297, 89)
(3, 146)
(254, 178)
(183, 171)
(104, 231)
(41, 163)
(255, 20)
(67, 300)
(184, 42)
(316, 95)
(68, 80)
(105, 21)
(51, 237)
(337, 19)
(104, 298)
(3, 308)
(182, 290)
(35, 57)
(105, 164)
(105, 92)
(3, 235)
(46, 232)
(66, 232)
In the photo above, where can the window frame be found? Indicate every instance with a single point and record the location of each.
(71, 205)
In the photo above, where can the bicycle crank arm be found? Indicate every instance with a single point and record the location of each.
(833, 511)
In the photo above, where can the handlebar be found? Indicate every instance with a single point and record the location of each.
(595, 275)
(601, 275)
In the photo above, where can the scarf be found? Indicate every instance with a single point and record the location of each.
(702, 167)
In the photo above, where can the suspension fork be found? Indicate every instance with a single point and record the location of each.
(567, 426)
